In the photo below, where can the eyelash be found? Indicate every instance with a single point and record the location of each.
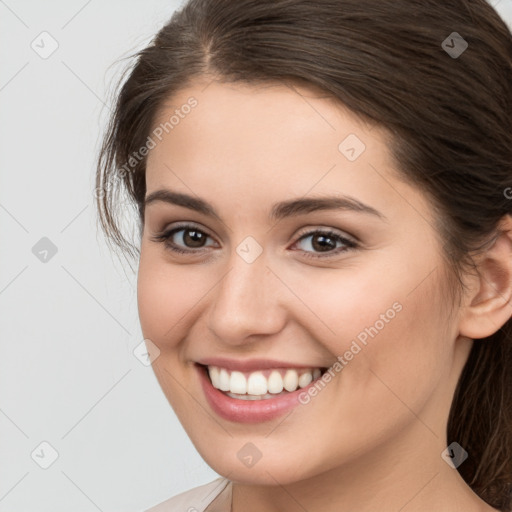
(165, 237)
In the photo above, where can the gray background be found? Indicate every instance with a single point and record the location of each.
(69, 323)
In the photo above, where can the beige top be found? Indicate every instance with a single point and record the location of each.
(212, 497)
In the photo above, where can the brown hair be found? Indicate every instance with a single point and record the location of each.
(449, 117)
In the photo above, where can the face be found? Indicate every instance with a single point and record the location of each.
(279, 238)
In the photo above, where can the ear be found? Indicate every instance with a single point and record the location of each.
(488, 303)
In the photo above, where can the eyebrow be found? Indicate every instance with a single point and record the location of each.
(279, 210)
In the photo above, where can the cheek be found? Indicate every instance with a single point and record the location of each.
(344, 303)
(170, 297)
(383, 325)
(164, 296)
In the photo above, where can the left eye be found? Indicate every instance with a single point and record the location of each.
(325, 241)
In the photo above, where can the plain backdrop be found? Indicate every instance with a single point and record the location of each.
(84, 425)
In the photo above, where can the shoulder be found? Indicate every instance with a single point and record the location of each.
(193, 500)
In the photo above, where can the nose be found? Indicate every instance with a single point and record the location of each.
(248, 301)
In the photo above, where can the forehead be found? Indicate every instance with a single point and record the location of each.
(267, 142)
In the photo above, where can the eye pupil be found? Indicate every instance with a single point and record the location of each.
(323, 243)
(193, 238)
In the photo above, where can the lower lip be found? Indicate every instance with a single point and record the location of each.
(248, 411)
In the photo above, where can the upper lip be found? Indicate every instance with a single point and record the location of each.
(249, 365)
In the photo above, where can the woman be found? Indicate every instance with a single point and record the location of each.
(325, 275)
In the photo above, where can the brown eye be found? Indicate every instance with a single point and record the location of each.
(193, 237)
(184, 239)
(327, 242)
(321, 242)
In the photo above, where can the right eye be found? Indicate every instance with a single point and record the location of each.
(185, 239)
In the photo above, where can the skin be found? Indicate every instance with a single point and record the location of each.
(372, 439)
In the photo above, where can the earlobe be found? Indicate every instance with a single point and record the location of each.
(489, 303)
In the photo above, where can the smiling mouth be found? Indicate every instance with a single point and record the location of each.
(261, 384)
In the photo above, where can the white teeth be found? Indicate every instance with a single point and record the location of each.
(266, 396)
(256, 386)
(291, 380)
(245, 397)
(305, 379)
(275, 382)
(214, 376)
(237, 383)
(223, 380)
